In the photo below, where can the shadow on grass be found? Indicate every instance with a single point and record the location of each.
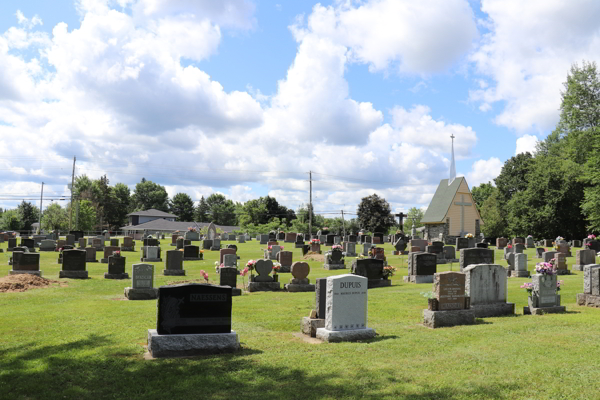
(481, 321)
(89, 369)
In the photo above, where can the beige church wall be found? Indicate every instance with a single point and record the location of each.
(454, 212)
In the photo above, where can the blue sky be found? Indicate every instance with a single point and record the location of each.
(244, 97)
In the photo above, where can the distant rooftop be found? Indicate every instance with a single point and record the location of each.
(172, 226)
(153, 213)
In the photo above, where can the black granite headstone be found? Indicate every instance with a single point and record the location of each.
(232, 246)
(228, 276)
(116, 265)
(370, 268)
(73, 260)
(29, 243)
(27, 262)
(191, 251)
(321, 297)
(424, 264)
(194, 308)
(78, 234)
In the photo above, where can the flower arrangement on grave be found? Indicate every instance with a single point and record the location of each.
(528, 286)
(389, 271)
(469, 236)
(315, 241)
(529, 237)
(117, 253)
(59, 249)
(545, 268)
(509, 246)
(559, 238)
(192, 229)
(591, 236)
(588, 244)
(276, 268)
(243, 273)
(336, 247)
(204, 275)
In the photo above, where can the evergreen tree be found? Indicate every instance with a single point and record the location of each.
(182, 205)
(375, 214)
(202, 211)
(28, 214)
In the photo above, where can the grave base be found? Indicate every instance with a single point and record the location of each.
(17, 272)
(589, 300)
(124, 275)
(89, 261)
(299, 245)
(543, 310)
(334, 266)
(310, 326)
(577, 267)
(127, 248)
(291, 287)
(141, 294)
(192, 258)
(174, 272)
(452, 260)
(518, 274)
(345, 336)
(418, 279)
(375, 283)
(563, 272)
(151, 259)
(236, 292)
(286, 269)
(164, 346)
(346, 254)
(172, 244)
(73, 274)
(215, 248)
(493, 310)
(439, 319)
(264, 286)
(10, 249)
(46, 249)
(104, 260)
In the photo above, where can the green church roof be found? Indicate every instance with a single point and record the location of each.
(441, 201)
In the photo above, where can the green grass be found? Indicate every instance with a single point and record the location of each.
(83, 342)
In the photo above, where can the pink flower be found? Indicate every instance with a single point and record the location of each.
(204, 274)
(244, 271)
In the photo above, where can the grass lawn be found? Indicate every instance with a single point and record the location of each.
(83, 341)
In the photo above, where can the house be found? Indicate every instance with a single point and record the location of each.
(141, 217)
(163, 225)
(452, 212)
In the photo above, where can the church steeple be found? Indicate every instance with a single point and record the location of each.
(452, 165)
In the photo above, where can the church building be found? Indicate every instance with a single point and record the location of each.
(452, 211)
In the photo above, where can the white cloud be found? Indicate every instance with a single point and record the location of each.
(484, 171)
(527, 56)
(418, 36)
(526, 143)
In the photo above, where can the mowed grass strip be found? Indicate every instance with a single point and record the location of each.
(83, 341)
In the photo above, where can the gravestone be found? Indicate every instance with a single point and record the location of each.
(142, 285)
(229, 260)
(151, 254)
(116, 268)
(400, 246)
(317, 318)
(47, 245)
(222, 252)
(539, 251)
(519, 266)
(241, 239)
(346, 317)
(334, 259)
(450, 306)
(299, 242)
(373, 270)
(501, 243)
(300, 281)
(191, 253)
(114, 242)
(378, 253)
(281, 236)
(90, 254)
(529, 242)
(193, 319)
(97, 243)
(70, 240)
(216, 245)
(174, 263)
(437, 248)
(271, 252)
(228, 277)
(365, 249)
(285, 259)
(29, 243)
(544, 298)
(26, 263)
(420, 243)
(192, 236)
(482, 245)
(576, 243)
(583, 258)
(206, 244)
(78, 234)
(211, 231)
(174, 238)
(561, 264)
(128, 244)
(518, 248)
(421, 267)
(475, 256)
(450, 254)
(591, 286)
(81, 242)
(352, 238)
(290, 237)
(349, 249)
(519, 240)
(149, 241)
(486, 286)
(12, 243)
(264, 239)
(73, 264)
(462, 243)
(108, 251)
(263, 281)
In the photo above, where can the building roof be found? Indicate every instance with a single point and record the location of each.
(441, 201)
(153, 213)
(162, 224)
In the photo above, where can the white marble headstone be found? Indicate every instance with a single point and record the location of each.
(346, 302)
(486, 283)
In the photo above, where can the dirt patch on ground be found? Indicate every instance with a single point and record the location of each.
(315, 257)
(23, 282)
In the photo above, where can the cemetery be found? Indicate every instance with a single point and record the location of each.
(312, 310)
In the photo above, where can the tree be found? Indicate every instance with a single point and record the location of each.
(121, 195)
(182, 205)
(513, 176)
(374, 214)
(222, 210)
(87, 215)
(202, 210)
(28, 214)
(481, 193)
(252, 212)
(415, 213)
(55, 218)
(10, 221)
(492, 214)
(148, 194)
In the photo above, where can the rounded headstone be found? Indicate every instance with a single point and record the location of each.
(336, 255)
(300, 269)
(263, 267)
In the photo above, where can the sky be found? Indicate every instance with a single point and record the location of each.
(246, 97)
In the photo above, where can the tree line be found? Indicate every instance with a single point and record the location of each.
(553, 192)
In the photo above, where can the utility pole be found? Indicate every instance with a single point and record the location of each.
(40, 217)
(72, 184)
(343, 224)
(310, 206)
